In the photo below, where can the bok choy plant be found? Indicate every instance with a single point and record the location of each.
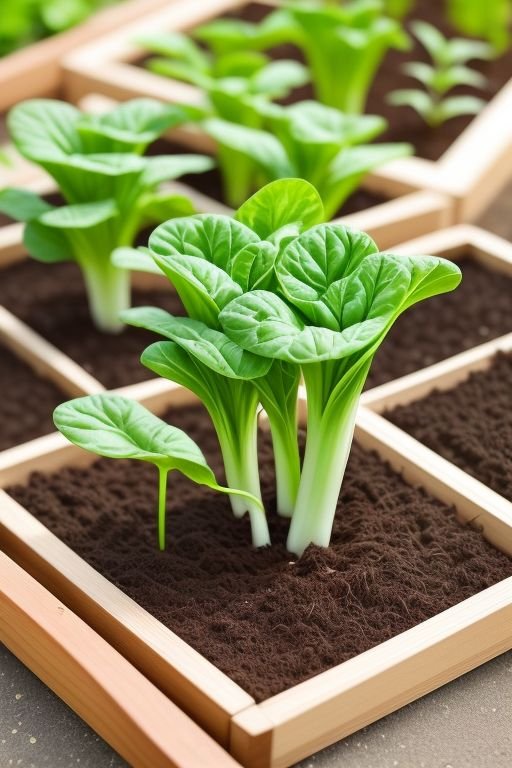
(309, 140)
(224, 76)
(211, 260)
(343, 44)
(448, 69)
(119, 428)
(111, 191)
(335, 299)
(488, 20)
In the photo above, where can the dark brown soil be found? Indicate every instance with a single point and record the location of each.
(470, 425)
(51, 299)
(404, 123)
(398, 557)
(27, 401)
(478, 310)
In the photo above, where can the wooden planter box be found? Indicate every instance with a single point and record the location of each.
(135, 717)
(319, 711)
(471, 171)
(36, 70)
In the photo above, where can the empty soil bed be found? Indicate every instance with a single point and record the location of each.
(470, 425)
(51, 300)
(27, 401)
(268, 620)
(477, 311)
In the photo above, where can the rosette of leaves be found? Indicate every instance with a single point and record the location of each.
(335, 299)
(307, 140)
(111, 191)
(343, 45)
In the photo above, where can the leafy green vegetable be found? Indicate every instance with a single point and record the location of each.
(210, 260)
(448, 70)
(119, 428)
(489, 20)
(111, 191)
(337, 297)
(308, 140)
(343, 45)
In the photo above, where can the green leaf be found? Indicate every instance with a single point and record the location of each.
(460, 105)
(239, 64)
(262, 323)
(212, 237)
(176, 45)
(81, 216)
(312, 263)
(135, 259)
(278, 78)
(180, 70)
(161, 206)
(279, 204)
(432, 40)
(420, 101)
(261, 147)
(46, 243)
(210, 347)
(44, 129)
(133, 123)
(461, 50)
(22, 204)
(167, 167)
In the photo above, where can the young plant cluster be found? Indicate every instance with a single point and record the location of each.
(272, 296)
(449, 69)
(110, 190)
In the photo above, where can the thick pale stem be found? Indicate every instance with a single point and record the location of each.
(240, 455)
(287, 463)
(108, 292)
(327, 449)
(162, 506)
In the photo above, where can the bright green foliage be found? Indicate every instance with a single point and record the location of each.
(210, 260)
(487, 19)
(448, 69)
(26, 21)
(119, 428)
(337, 298)
(343, 44)
(309, 140)
(111, 192)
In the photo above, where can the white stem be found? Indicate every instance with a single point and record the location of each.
(108, 292)
(287, 464)
(327, 449)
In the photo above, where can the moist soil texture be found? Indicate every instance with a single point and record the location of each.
(51, 299)
(398, 556)
(470, 425)
(27, 401)
(475, 312)
(404, 123)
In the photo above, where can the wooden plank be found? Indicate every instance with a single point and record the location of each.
(338, 702)
(180, 672)
(137, 720)
(44, 358)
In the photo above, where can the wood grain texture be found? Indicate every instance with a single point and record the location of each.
(137, 719)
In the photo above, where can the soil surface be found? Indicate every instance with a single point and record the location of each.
(51, 299)
(470, 425)
(398, 557)
(404, 123)
(27, 401)
(477, 311)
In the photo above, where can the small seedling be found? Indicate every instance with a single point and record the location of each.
(448, 70)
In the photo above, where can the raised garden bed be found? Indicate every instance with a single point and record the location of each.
(479, 310)
(344, 689)
(474, 160)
